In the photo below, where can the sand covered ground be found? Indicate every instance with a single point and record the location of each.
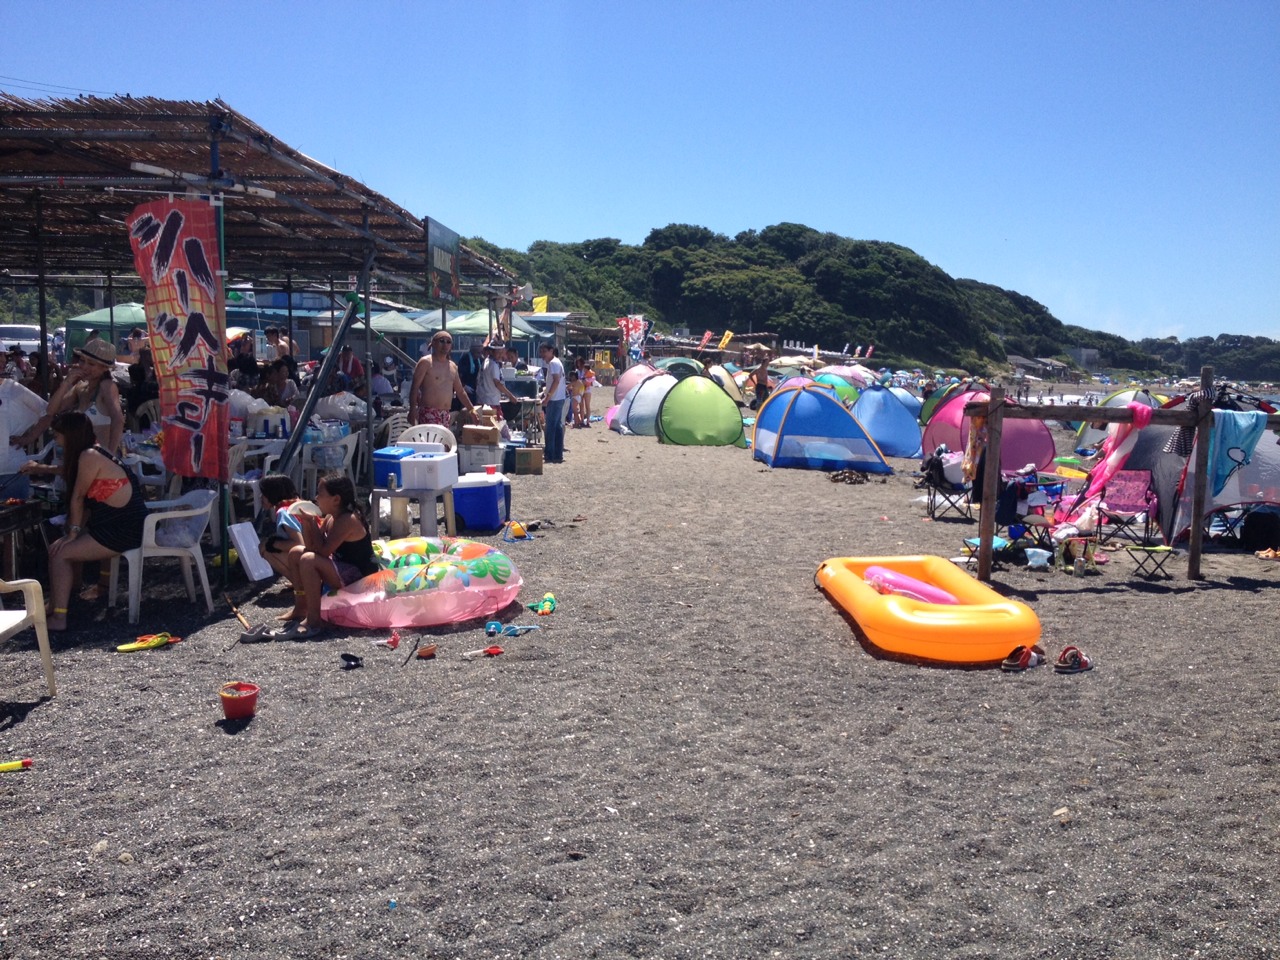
(694, 757)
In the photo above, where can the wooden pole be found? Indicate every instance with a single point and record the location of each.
(990, 483)
(1200, 490)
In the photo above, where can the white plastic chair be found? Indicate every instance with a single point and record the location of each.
(429, 433)
(313, 471)
(391, 428)
(14, 621)
(173, 528)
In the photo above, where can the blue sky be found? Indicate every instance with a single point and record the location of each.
(1119, 163)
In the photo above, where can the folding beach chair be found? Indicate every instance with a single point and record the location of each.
(1127, 508)
(942, 496)
(1149, 561)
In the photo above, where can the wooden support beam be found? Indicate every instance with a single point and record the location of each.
(990, 483)
(999, 409)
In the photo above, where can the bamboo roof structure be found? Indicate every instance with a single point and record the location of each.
(72, 169)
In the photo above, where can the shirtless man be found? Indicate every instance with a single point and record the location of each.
(279, 343)
(435, 384)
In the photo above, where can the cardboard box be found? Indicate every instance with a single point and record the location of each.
(528, 460)
(473, 458)
(476, 434)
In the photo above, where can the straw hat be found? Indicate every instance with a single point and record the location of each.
(98, 350)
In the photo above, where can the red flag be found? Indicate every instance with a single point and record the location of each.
(706, 338)
(175, 251)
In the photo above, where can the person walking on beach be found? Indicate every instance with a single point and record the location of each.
(762, 380)
(436, 384)
(553, 402)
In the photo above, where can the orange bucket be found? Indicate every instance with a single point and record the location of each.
(239, 699)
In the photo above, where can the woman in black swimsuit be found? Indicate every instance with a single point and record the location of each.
(336, 549)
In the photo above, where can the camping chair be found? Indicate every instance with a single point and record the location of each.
(942, 496)
(15, 621)
(1127, 507)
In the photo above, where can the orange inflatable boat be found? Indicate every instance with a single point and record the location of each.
(983, 626)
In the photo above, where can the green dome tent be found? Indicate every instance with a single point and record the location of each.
(697, 412)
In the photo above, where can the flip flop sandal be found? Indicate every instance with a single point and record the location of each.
(1023, 658)
(1073, 660)
(310, 633)
(351, 662)
(148, 641)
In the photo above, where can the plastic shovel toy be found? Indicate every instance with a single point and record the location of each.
(494, 628)
(489, 651)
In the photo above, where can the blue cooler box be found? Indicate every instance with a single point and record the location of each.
(482, 501)
(387, 461)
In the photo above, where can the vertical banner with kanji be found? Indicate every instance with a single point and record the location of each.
(175, 251)
(442, 262)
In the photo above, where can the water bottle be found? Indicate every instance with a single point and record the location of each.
(1079, 567)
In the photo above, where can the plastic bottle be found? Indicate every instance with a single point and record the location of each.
(1079, 567)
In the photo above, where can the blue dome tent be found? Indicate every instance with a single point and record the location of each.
(890, 424)
(808, 427)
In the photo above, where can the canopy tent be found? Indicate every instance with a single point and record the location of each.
(1024, 441)
(890, 424)
(698, 412)
(474, 324)
(810, 427)
(392, 323)
(127, 316)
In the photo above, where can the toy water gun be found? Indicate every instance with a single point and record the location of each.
(13, 766)
(546, 606)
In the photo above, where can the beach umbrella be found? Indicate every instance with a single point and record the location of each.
(235, 333)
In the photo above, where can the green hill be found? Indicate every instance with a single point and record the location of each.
(819, 287)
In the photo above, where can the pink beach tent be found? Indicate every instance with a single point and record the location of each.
(1022, 441)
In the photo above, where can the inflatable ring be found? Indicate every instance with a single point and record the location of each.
(425, 582)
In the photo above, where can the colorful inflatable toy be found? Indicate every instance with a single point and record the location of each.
(425, 582)
(979, 626)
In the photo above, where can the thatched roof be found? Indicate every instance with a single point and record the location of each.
(71, 170)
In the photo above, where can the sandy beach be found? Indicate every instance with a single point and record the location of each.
(696, 756)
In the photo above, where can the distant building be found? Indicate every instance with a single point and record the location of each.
(1087, 357)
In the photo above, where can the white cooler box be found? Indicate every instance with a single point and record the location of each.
(429, 471)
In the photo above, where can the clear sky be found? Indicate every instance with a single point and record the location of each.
(1118, 162)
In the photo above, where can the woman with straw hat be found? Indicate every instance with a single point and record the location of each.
(88, 389)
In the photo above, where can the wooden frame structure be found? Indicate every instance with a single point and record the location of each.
(997, 410)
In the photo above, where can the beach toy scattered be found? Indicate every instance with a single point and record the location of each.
(149, 641)
(890, 581)
(391, 643)
(425, 581)
(494, 628)
(514, 531)
(12, 766)
(491, 651)
(351, 662)
(239, 699)
(546, 606)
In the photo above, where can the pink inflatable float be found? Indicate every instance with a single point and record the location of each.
(885, 580)
(425, 582)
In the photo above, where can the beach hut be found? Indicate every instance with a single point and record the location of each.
(697, 412)
(809, 427)
(890, 424)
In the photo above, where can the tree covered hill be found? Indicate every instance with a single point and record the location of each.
(819, 287)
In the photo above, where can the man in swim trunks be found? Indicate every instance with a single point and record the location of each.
(435, 384)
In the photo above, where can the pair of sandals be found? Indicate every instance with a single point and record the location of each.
(1267, 554)
(1071, 660)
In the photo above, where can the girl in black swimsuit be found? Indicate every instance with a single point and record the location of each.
(337, 549)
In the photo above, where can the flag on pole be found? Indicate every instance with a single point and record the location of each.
(706, 338)
(540, 304)
(724, 341)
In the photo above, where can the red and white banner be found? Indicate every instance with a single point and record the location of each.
(706, 338)
(175, 251)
